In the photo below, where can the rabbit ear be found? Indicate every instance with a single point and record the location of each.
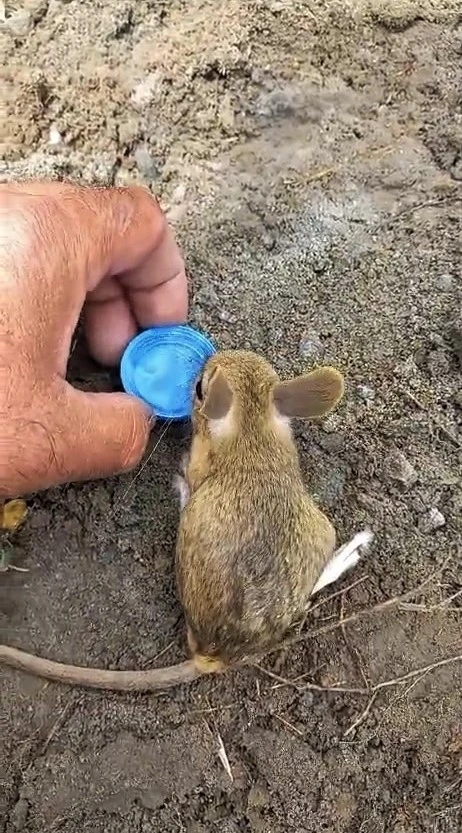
(311, 395)
(217, 400)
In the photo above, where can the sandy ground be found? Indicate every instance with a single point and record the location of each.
(309, 155)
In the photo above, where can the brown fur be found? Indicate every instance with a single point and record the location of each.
(251, 542)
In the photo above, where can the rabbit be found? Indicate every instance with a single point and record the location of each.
(252, 545)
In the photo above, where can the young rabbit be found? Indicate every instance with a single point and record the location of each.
(252, 545)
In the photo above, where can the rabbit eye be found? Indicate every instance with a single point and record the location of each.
(199, 390)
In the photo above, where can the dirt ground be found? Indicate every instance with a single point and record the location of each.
(309, 155)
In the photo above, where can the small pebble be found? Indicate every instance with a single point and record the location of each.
(307, 699)
(258, 797)
(438, 364)
(432, 520)
(54, 136)
(366, 393)
(227, 825)
(19, 23)
(332, 442)
(398, 467)
(207, 297)
(330, 490)
(311, 347)
(146, 164)
(444, 282)
(226, 316)
(457, 398)
(456, 171)
(319, 265)
(436, 339)
(19, 813)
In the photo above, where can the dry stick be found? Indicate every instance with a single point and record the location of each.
(360, 580)
(450, 599)
(360, 614)
(411, 674)
(450, 787)
(335, 169)
(445, 431)
(353, 651)
(423, 671)
(418, 673)
(374, 690)
(438, 608)
(222, 754)
(447, 810)
(362, 717)
(288, 724)
(311, 686)
(152, 660)
(337, 593)
(410, 209)
(400, 696)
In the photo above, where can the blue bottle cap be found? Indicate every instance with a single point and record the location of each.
(161, 365)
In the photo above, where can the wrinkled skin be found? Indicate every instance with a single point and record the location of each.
(63, 249)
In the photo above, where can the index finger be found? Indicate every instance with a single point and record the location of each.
(144, 283)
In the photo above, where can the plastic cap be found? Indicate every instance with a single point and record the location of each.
(161, 365)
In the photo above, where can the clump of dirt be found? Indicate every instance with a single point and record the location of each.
(399, 14)
(308, 157)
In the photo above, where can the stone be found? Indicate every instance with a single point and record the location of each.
(268, 241)
(445, 282)
(146, 164)
(432, 520)
(207, 297)
(54, 136)
(366, 393)
(258, 797)
(333, 442)
(19, 24)
(19, 814)
(311, 347)
(398, 467)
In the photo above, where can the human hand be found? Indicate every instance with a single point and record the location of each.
(64, 248)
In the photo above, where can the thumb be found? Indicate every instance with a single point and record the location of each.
(98, 434)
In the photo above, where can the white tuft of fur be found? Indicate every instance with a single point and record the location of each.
(344, 559)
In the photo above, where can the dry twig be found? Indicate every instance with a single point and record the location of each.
(362, 717)
(394, 602)
(416, 675)
(311, 609)
(424, 670)
(441, 427)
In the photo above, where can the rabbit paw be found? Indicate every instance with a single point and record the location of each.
(181, 488)
(344, 559)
